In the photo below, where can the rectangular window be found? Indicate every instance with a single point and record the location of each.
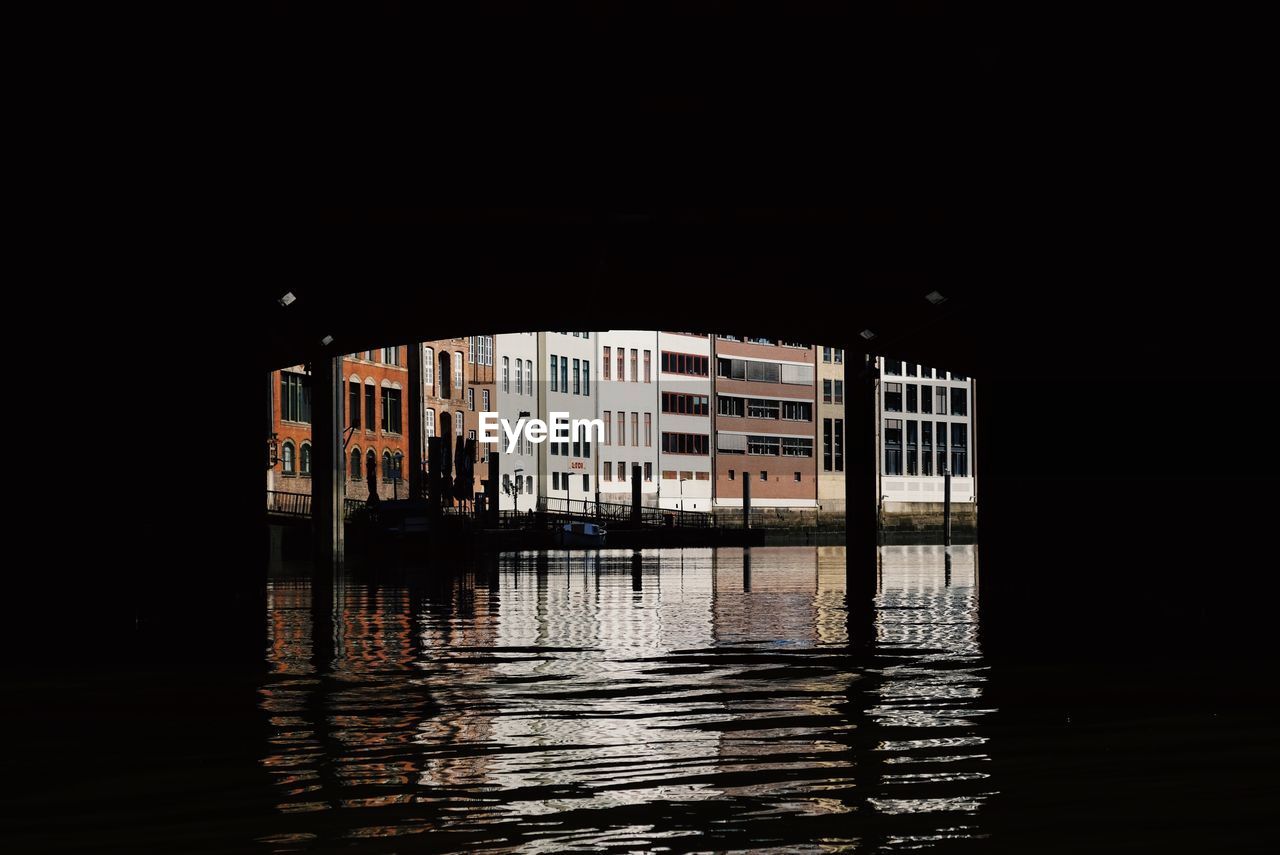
(684, 363)
(608, 427)
(471, 398)
(797, 477)
(960, 451)
(622, 365)
(762, 408)
(763, 445)
(926, 447)
(604, 369)
(893, 397)
(826, 391)
(826, 354)
(635, 365)
(912, 392)
(912, 448)
(926, 399)
(564, 376)
(730, 443)
(622, 427)
(728, 406)
(797, 446)
(731, 474)
(955, 376)
(577, 448)
(577, 376)
(391, 410)
(838, 396)
(893, 366)
(911, 369)
(839, 355)
(682, 404)
(764, 474)
(353, 405)
(648, 373)
(519, 377)
(942, 447)
(295, 397)
(586, 377)
(893, 446)
(586, 482)
(485, 397)
(648, 430)
(648, 471)
(940, 401)
(506, 373)
(635, 429)
(555, 371)
(839, 445)
(370, 407)
(827, 460)
(797, 411)
(528, 375)
(622, 471)
(471, 349)
(959, 401)
(608, 471)
(685, 443)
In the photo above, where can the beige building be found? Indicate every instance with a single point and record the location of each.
(831, 430)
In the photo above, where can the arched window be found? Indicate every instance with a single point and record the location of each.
(355, 465)
(386, 466)
(371, 465)
(519, 377)
(398, 462)
(457, 423)
(286, 455)
(429, 422)
(306, 459)
(506, 374)
(528, 486)
(445, 373)
(429, 367)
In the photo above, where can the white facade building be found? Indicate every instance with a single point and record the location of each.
(518, 396)
(685, 404)
(926, 425)
(567, 469)
(627, 403)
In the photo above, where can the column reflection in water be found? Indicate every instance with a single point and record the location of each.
(613, 700)
(927, 702)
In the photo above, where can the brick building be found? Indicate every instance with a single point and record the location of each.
(458, 382)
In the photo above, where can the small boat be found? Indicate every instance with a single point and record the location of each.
(580, 534)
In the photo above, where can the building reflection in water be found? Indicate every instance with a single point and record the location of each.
(688, 699)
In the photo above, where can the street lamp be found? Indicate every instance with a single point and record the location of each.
(682, 480)
(515, 495)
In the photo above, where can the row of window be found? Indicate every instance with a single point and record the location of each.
(392, 465)
(927, 399)
(384, 355)
(833, 355)
(471, 399)
(915, 369)
(622, 428)
(429, 422)
(480, 349)
(289, 459)
(295, 397)
(766, 446)
(833, 445)
(683, 475)
(833, 391)
(624, 472)
(581, 375)
(560, 481)
(764, 372)
(922, 439)
(765, 408)
(448, 368)
(764, 475)
(686, 443)
(686, 405)
(524, 376)
(622, 365)
(689, 364)
(522, 484)
(391, 421)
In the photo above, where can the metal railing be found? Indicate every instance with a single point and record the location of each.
(289, 504)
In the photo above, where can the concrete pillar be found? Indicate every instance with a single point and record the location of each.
(636, 475)
(416, 485)
(746, 499)
(328, 486)
(861, 502)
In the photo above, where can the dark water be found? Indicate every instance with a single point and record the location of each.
(678, 700)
